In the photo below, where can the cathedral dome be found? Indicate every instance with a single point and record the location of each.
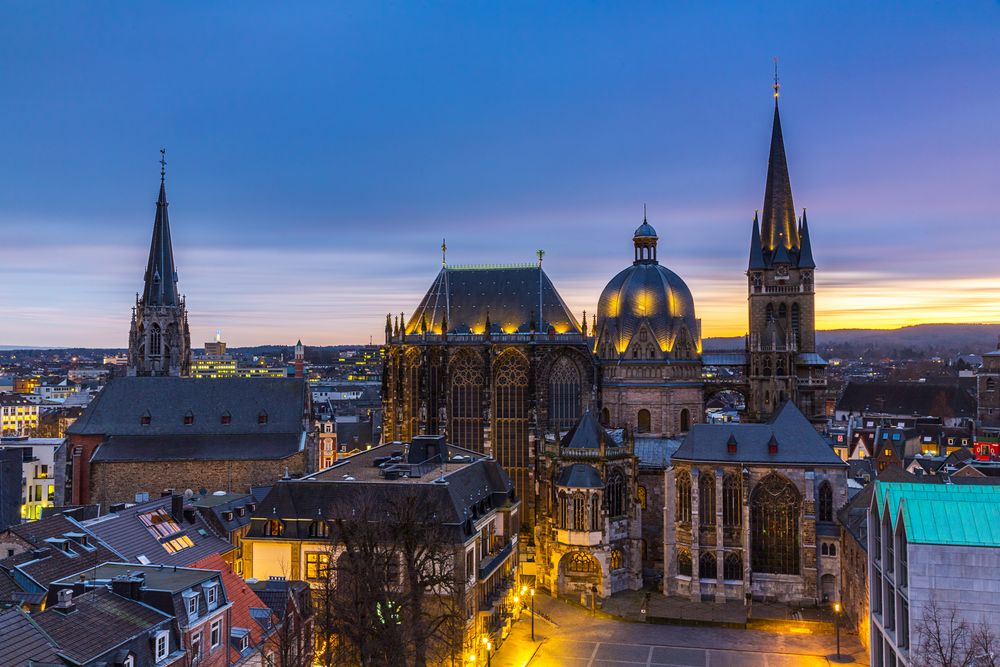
(647, 311)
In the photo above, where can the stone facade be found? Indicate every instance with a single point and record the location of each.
(652, 502)
(854, 586)
(988, 389)
(120, 482)
(725, 534)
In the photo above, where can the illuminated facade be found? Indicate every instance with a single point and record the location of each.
(159, 340)
(18, 415)
(493, 359)
(649, 343)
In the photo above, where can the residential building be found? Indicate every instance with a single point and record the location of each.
(988, 389)
(18, 415)
(923, 558)
(893, 401)
(37, 474)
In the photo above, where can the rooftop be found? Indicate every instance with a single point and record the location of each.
(392, 462)
(157, 577)
(933, 513)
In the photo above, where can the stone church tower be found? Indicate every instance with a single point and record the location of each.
(781, 347)
(159, 342)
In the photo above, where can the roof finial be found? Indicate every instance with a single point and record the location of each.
(644, 211)
(163, 163)
(444, 250)
(776, 84)
(541, 254)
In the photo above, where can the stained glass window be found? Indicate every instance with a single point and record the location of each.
(825, 502)
(706, 498)
(732, 510)
(774, 526)
(684, 497)
(708, 566)
(564, 395)
(466, 401)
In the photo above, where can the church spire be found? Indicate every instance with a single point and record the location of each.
(756, 252)
(778, 220)
(161, 275)
(805, 254)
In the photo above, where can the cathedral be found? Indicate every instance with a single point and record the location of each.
(159, 341)
(493, 359)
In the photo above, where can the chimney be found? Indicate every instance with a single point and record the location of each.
(127, 586)
(65, 601)
(177, 507)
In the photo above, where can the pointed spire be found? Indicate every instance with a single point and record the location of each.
(584, 324)
(756, 251)
(805, 253)
(778, 220)
(161, 274)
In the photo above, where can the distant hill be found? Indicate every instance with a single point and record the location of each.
(917, 341)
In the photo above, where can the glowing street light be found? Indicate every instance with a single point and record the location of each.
(836, 624)
(532, 614)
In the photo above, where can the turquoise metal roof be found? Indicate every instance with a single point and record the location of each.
(965, 515)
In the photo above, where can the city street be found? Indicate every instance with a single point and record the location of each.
(577, 639)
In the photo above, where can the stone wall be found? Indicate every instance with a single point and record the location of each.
(854, 586)
(120, 482)
(652, 518)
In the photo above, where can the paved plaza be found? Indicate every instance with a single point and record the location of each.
(575, 638)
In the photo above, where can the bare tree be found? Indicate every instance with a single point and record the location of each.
(290, 637)
(946, 639)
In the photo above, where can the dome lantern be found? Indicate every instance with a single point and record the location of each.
(645, 242)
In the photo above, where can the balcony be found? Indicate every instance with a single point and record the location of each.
(579, 538)
(490, 564)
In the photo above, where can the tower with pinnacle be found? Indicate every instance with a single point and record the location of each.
(781, 346)
(159, 340)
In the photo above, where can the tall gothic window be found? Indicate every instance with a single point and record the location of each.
(732, 567)
(581, 563)
(708, 566)
(783, 314)
(796, 327)
(684, 497)
(389, 422)
(825, 502)
(615, 495)
(155, 340)
(774, 526)
(684, 562)
(510, 417)
(579, 512)
(769, 314)
(617, 560)
(466, 400)
(563, 512)
(706, 498)
(595, 513)
(732, 501)
(685, 420)
(411, 394)
(564, 395)
(644, 421)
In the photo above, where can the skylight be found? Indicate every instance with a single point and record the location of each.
(162, 526)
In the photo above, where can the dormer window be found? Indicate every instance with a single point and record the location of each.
(240, 511)
(227, 516)
(145, 419)
(226, 418)
(262, 417)
(189, 418)
(731, 444)
(274, 528)
(772, 446)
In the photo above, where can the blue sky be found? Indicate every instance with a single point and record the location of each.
(318, 153)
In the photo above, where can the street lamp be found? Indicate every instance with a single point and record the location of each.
(472, 658)
(532, 614)
(489, 645)
(836, 624)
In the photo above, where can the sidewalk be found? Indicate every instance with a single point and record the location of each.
(518, 648)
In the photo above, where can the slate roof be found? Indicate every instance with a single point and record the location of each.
(126, 533)
(101, 622)
(580, 476)
(587, 433)
(328, 495)
(655, 452)
(464, 295)
(798, 442)
(182, 447)
(278, 593)
(929, 512)
(119, 408)
(47, 562)
(21, 641)
(160, 281)
(907, 398)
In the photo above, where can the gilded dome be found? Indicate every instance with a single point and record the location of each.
(647, 311)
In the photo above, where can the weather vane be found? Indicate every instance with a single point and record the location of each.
(163, 163)
(776, 84)
(444, 250)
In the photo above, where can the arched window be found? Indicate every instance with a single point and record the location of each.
(319, 528)
(155, 340)
(706, 498)
(732, 501)
(581, 563)
(782, 313)
(732, 567)
(991, 384)
(684, 562)
(684, 497)
(769, 312)
(274, 528)
(563, 512)
(510, 419)
(796, 330)
(708, 566)
(617, 560)
(605, 417)
(595, 513)
(685, 420)
(615, 495)
(644, 421)
(833, 549)
(411, 395)
(825, 502)
(579, 512)
(774, 526)
(824, 550)
(564, 395)
(467, 400)
(641, 492)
